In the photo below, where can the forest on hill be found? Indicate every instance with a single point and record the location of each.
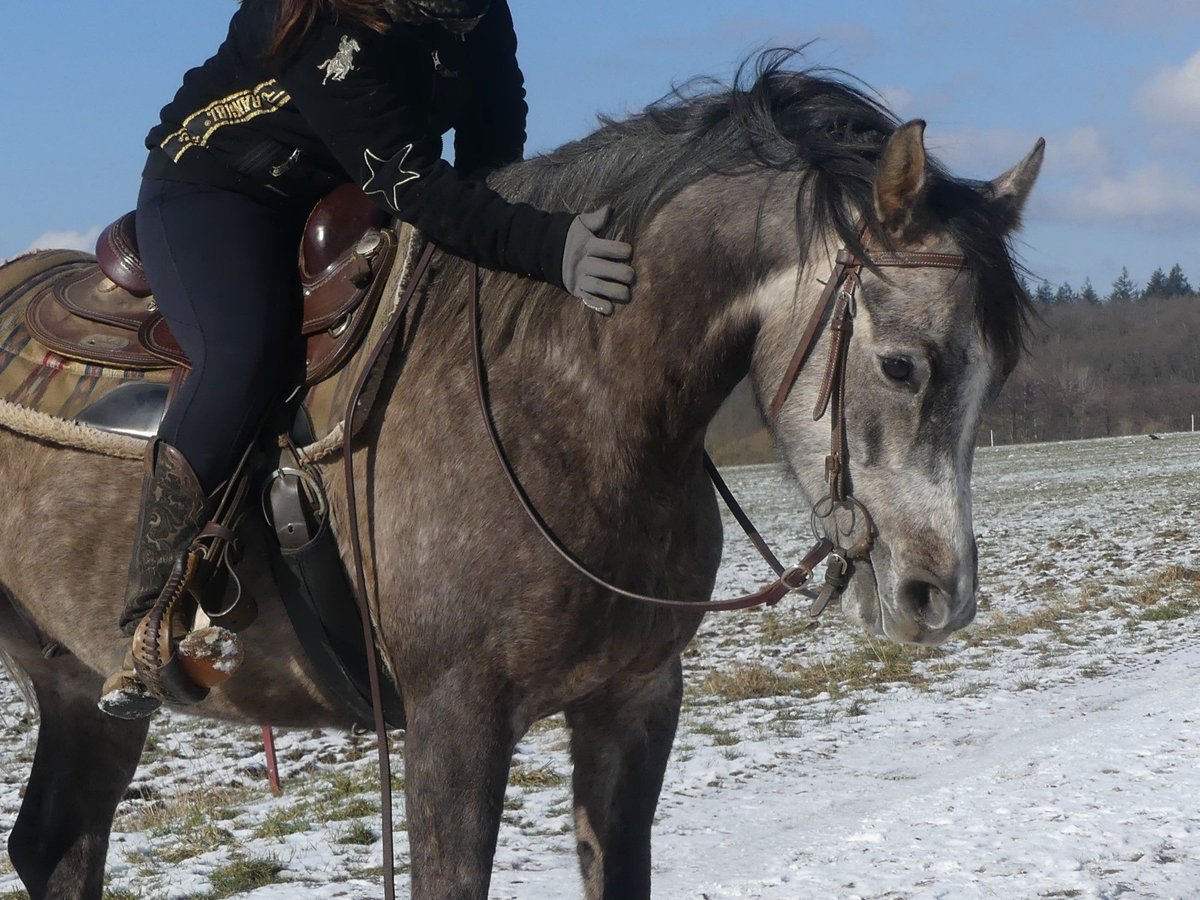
(1124, 363)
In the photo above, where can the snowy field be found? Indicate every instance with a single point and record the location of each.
(1050, 750)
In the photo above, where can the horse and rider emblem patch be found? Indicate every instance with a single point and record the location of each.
(341, 64)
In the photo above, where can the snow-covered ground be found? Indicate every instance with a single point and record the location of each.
(1050, 751)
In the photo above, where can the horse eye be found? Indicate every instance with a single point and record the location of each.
(897, 368)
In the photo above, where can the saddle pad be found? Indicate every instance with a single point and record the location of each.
(35, 377)
(32, 375)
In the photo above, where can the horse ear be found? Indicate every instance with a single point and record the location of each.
(900, 178)
(1009, 192)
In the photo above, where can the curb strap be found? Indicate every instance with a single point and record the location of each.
(791, 580)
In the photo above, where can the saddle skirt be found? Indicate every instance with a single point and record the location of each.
(81, 346)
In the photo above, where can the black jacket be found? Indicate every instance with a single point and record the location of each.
(353, 104)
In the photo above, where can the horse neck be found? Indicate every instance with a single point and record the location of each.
(643, 385)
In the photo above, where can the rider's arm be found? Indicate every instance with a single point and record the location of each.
(490, 132)
(381, 139)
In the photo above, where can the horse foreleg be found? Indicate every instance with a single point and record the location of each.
(457, 749)
(620, 742)
(83, 763)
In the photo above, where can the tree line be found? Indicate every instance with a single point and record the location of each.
(1125, 364)
(1124, 290)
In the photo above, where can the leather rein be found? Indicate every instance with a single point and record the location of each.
(839, 291)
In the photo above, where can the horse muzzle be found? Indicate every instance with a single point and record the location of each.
(908, 604)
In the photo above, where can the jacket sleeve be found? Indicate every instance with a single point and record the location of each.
(490, 132)
(347, 84)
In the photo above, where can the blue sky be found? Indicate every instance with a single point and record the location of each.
(1113, 86)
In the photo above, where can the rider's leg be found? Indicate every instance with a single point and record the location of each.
(223, 270)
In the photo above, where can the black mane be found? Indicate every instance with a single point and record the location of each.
(811, 121)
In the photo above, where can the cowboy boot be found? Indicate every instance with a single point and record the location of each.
(174, 508)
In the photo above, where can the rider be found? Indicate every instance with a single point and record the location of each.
(304, 95)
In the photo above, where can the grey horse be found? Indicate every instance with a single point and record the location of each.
(736, 199)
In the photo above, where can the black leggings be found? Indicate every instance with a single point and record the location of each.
(223, 270)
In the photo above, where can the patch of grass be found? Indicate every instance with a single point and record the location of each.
(525, 777)
(749, 681)
(356, 808)
(283, 822)
(357, 833)
(245, 874)
(1148, 596)
(345, 786)
(118, 894)
(195, 842)
(871, 666)
(1175, 574)
(1165, 612)
(191, 809)
(725, 738)
(775, 629)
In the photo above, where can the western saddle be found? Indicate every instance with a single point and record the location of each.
(106, 315)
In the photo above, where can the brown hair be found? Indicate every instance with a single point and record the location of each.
(296, 19)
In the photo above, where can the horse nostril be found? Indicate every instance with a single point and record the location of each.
(925, 602)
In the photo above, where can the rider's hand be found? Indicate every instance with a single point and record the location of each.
(595, 270)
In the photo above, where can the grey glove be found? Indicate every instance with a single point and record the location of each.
(596, 270)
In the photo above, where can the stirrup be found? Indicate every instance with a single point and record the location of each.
(174, 662)
(124, 696)
(168, 661)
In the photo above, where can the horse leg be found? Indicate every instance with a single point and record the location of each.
(620, 742)
(83, 763)
(457, 749)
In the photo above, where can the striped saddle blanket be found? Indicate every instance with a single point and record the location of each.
(60, 391)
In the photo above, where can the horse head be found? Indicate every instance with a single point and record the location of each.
(931, 345)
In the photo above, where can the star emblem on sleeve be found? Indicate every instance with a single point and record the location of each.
(377, 183)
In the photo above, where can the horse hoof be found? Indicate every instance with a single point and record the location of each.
(210, 656)
(125, 697)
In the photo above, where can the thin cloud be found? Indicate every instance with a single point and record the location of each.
(1150, 199)
(1172, 97)
(66, 240)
